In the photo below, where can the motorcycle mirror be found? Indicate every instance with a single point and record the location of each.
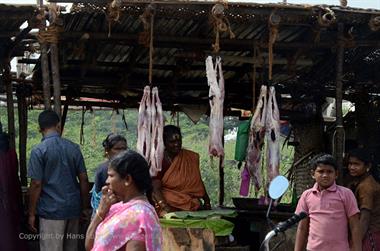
(278, 187)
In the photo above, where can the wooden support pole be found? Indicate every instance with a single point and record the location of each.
(23, 130)
(221, 176)
(339, 135)
(45, 75)
(44, 61)
(10, 106)
(55, 62)
(221, 181)
(56, 78)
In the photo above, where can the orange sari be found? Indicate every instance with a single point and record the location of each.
(182, 184)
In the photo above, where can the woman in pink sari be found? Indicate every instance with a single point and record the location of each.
(125, 220)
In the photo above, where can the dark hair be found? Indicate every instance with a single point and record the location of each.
(132, 163)
(48, 119)
(169, 130)
(324, 159)
(112, 139)
(361, 154)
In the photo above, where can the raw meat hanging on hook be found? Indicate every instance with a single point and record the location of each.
(273, 136)
(150, 128)
(143, 125)
(157, 147)
(256, 139)
(215, 81)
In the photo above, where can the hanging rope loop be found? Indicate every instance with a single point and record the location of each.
(51, 33)
(326, 17)
(374, 23)
(147, 18)
(220, 23)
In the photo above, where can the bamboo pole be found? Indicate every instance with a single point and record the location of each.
(339, 140)
(23, 130)
(10, 106)
(44, 60)
(54, 59)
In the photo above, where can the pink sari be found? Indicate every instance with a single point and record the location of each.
(133, 220)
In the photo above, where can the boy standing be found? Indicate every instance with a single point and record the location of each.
(331, 209)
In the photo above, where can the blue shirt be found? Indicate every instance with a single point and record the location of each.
(101, 176)
(57, 162)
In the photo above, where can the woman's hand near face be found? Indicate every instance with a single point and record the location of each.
(107, 200)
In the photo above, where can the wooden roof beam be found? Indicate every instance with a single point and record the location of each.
(225, 44)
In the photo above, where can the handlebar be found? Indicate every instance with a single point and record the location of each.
(282, 227)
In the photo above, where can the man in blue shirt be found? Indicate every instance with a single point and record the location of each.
(59, 188)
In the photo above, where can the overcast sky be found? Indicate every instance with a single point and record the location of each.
(352, 3)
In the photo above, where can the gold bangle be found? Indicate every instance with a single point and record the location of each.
(161, 202)
(97, 214)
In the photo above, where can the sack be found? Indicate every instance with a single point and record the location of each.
(242, 140)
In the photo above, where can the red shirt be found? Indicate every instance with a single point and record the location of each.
(328, 212)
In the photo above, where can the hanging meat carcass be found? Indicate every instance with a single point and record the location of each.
(256, 139)
(150, 129)
(143, 127)
(273, 136)
(157, 147)
(215, 81)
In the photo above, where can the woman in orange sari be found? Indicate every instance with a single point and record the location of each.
(178, 186)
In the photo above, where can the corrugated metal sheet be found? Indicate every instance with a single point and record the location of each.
(183, 36)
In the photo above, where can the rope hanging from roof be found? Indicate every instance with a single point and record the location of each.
(147, 19)
(113, 120)
(151, 49)
(114, 10)
(254, 73)
(273, 23)
(81, 135)
(51, 33)
(113, 14)
(221, 24)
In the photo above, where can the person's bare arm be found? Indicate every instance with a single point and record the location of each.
(206, 199)
(356, 235)
(365, 216)
(84, 190)
(302, 235)
(90, 233)
(34, 194)
(158, 197)
(107, 200)
(135, 246)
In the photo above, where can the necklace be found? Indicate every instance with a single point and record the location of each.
(139, 197)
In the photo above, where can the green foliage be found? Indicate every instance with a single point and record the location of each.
(99, 123)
